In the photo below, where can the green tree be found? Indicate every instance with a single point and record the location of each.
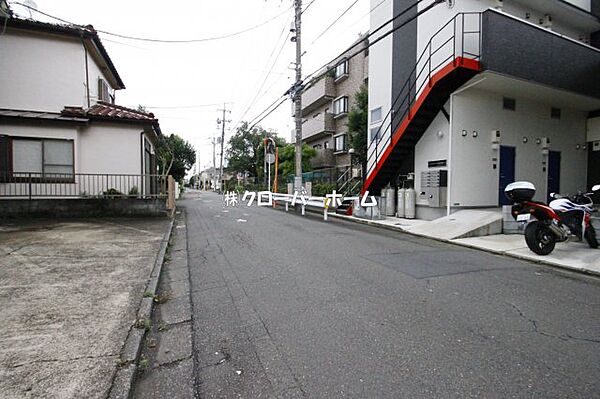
(357, 126)
(175, 156)
(245, 152)
(287, 159)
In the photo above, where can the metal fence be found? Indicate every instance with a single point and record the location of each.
(82, 185)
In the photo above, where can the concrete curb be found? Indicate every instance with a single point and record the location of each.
(493, 251)
(124, 377)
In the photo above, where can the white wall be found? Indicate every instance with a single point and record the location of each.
(44, 72)
(380, 64)
(583, 4)
(431, 147)
(94, 72)
(110, 148)
(475, 182)
(593, 129)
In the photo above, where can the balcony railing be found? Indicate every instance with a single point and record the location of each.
(317, 95)
(322, 123)
(81, 185)
(323, 159)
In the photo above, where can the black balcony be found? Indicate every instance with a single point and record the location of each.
(521, 49)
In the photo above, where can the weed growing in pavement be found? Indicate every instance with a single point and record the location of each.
(143, 364)
(163, 326)
(145, 324)
(148, 294)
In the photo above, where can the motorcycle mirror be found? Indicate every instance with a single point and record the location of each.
(596, 187)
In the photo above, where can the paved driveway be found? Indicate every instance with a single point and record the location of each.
(69, 292)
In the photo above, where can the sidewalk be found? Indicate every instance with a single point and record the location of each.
(576, 256)
(69, 295)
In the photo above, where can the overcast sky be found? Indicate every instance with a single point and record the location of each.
(175, 80)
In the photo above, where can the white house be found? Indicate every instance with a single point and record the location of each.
(470, 95)
(61, 133)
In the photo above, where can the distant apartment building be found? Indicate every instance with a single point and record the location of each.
(468, 96)
(325, 105)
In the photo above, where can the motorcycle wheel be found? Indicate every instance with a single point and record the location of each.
(539, 238)
(590, 237)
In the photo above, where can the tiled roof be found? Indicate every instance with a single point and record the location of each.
(112, 111)
(40, 115)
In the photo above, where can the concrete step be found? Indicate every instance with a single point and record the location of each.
(462, 224)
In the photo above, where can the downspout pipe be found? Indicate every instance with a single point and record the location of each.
(87, 74)
(450, 135)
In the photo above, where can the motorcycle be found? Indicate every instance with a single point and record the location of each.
(561, 219)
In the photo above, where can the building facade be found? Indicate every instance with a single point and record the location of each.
(326, 102)
(467, 96)
(59, 123)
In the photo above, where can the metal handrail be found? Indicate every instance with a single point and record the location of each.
(30, 185)
(398, 112)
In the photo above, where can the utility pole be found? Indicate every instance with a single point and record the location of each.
(297, 95)
(214, 168)
(222, 122)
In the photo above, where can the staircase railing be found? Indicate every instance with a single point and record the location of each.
(454, 39)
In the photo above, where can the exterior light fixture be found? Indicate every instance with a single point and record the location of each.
(475, 134)
(525, 139)
(578, 146)
(464, 133)
(538, 141)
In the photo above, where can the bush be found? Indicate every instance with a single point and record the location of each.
(112, 193)
(134, 192)
(321, 189)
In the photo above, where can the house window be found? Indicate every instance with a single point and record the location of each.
(317, 146)
(555, 113)
(326, 144)
(340, 143)
(509, 104)
(341, 69)
(43, 158)
(374, 133)
(340, 106)
(104, 91)
(376, 115)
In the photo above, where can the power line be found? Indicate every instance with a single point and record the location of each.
(383, 36)
(371, 43)
(268, 72)
(335, 21)
(267, 114)
(154, 40)
(309, 4)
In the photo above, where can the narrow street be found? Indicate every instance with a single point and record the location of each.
(291, 306)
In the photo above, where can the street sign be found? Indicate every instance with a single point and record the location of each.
(270, 158)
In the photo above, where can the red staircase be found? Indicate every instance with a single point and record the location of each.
(413, 113)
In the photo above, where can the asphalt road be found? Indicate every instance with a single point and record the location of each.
(291, 306)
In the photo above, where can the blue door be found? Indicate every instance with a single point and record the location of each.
(553, 173)
(507, 172)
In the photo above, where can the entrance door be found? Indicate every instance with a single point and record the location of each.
(553, 173)
(507, 172)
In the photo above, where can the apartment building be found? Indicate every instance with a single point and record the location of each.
(325, 105)
(470, 95)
